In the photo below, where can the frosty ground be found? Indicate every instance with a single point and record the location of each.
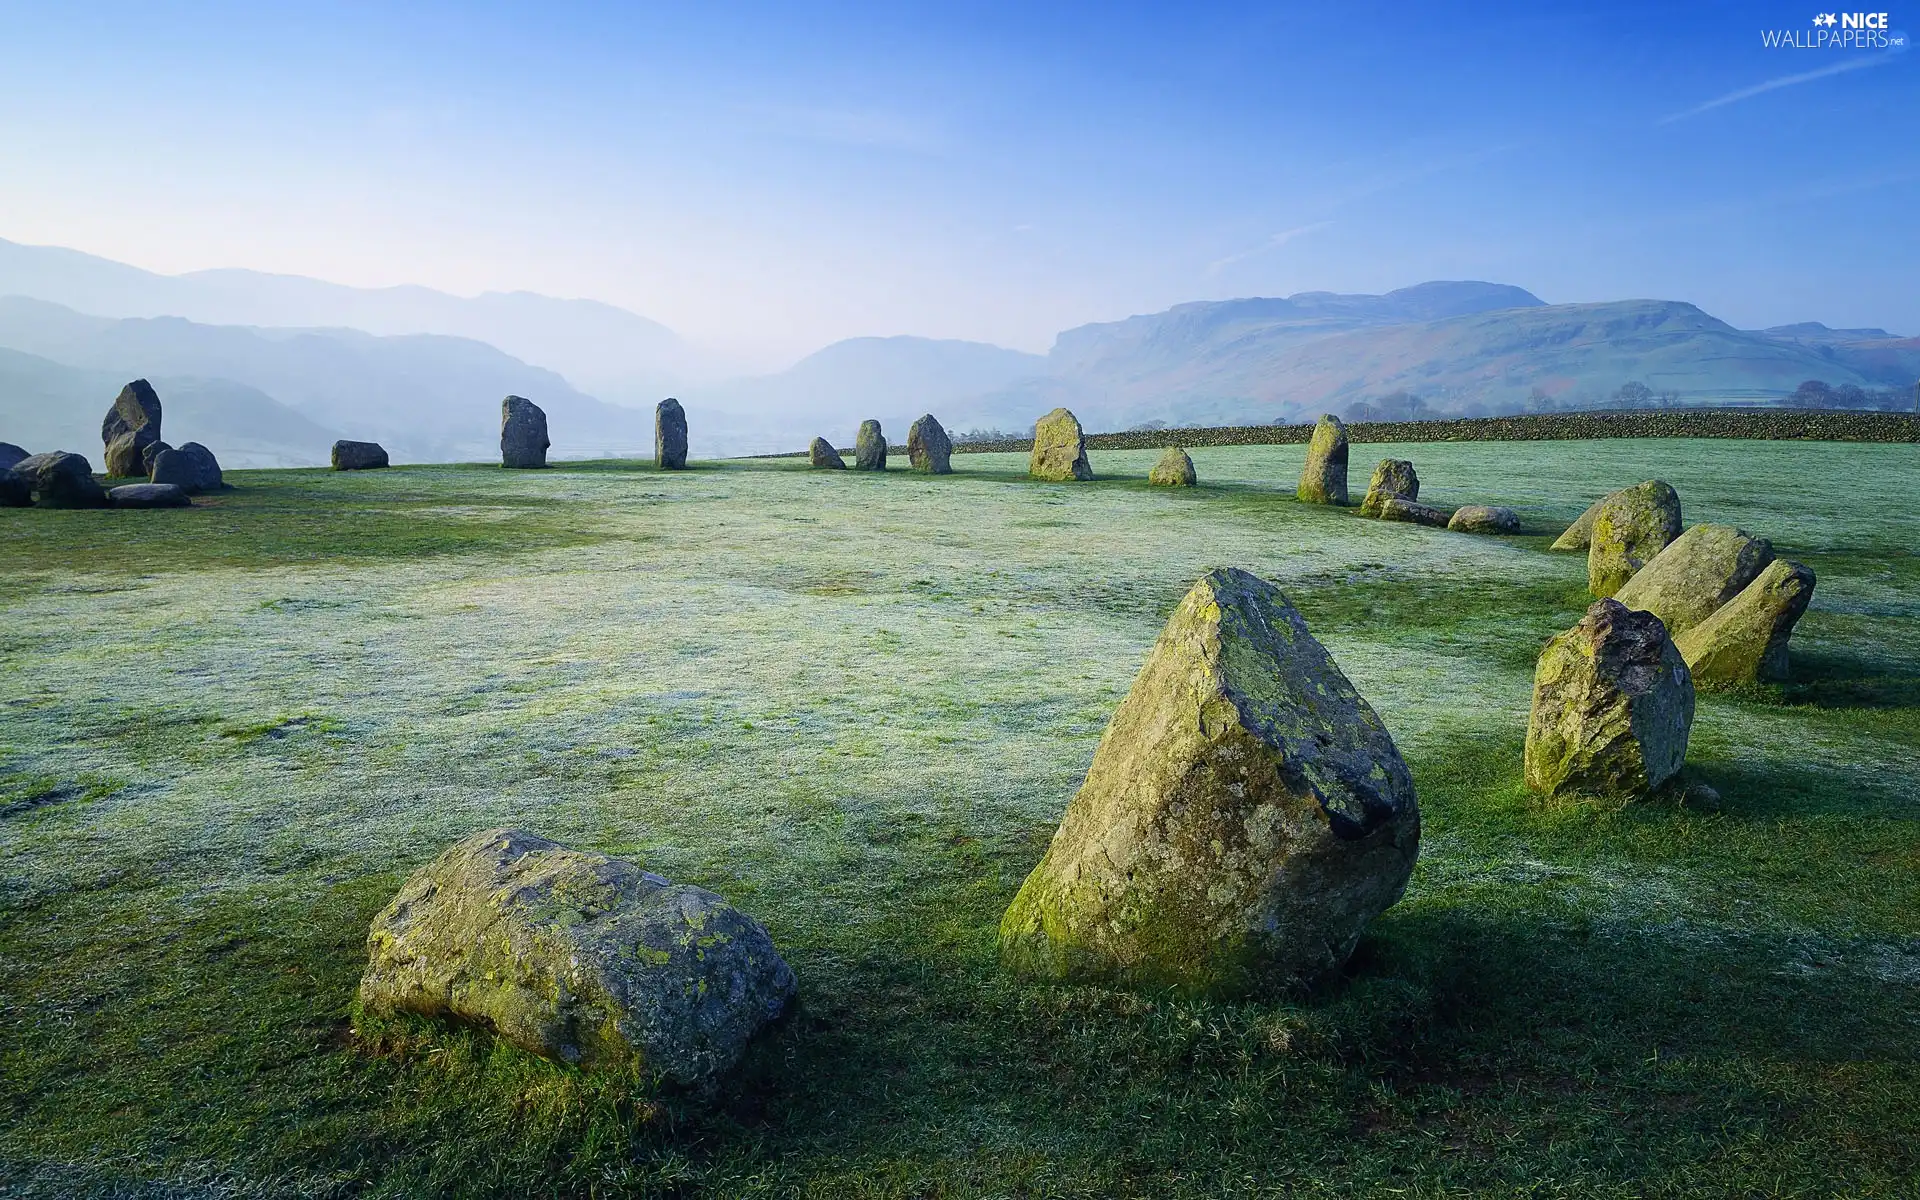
(856, 705)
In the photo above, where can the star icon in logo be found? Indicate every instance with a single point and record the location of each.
(1826, 19)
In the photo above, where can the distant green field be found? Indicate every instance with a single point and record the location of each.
(856, 706)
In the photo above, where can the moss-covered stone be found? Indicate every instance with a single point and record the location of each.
(870, 448)
(577, 957)
(929, 450)
(1175, 469)
(1059, 449)
(1484, 518)
(1632, 526)
(131, 425)
(1393, 479)
(822, 456)
(1323, 480)
(1745, 641)
(1579, 535)
(1612, 708)
(1246, 814)
(1701, 570)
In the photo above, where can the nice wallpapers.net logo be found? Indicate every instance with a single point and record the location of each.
(1838, 31)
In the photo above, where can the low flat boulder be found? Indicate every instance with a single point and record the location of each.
(870, 448)
(358, 456)
(149, 495)
(1612, 708)
(576, 957)
(1245, 816)
(152, 452)
(1745, 640)
(1393, 479)
(1484, 518)
(1698, 572)
(1323, 480)
(670, 435)
(1059, 449)
(15, 491)
(928, 447)
(130, 426)
(1393, 508)
(1175, 469)
(523, 434)
(11, 455)
(1632, 526)
(822, 456)
(60, 479)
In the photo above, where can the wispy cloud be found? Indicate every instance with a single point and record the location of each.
(1275, 241)
(1773, 85)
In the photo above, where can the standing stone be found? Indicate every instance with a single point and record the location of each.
(870, 448)
(1245, 816)
(61, 480)
(928, 449)
(1393, 479)
(670, 436)
(1746, 640)
(131, 425)
(11, 455)
(1612, 708)
(1631, 527)
(358, 456)
(822, 456)
(1484, 518)
(1324, 479)
(1701, 570)
(151, 452)
(1394, 508)
(149, 495)
(1059, 449)
(15, 490)
(1175, 469)
(523, 434)
(577, 957)
(171, 467)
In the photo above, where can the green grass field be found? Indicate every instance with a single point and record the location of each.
(856, 706)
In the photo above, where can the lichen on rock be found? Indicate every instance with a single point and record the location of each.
(1175, 469)
(1695, 575)
(1746, 639)
(1394, 478)
(1323, 480)
(1059, 449)
(1632, 526)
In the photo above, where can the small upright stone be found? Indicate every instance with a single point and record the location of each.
(61, 480)
(149, 495)
(1393, 479)
(1175, 469)
(191, 468)
(1059, 449)
(1324, 478)
(823, 457)
(928, 448)
(1612, 708)
(358, 456)
(1745, 641)
(131, 425)
(1484, 518)
(870, 448)
(11, 456)
(149, 454)
(1631, 527)
(670, 436)
(1701, 570)
(523, 434)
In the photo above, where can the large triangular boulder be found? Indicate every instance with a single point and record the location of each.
(670, 436)
(577, 957)
(1745, 640)
(1632, 526)
(822, 456)
(130, 426)
(870, 448)
(1698, 572)
(928, 447)
(1393, 479)
(523, 434)
(1059, 449)
(1323, 480)
(1246, 814)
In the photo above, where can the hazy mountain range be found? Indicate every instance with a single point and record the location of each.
(269, 369)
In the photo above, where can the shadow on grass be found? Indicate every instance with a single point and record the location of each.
(1833, 679)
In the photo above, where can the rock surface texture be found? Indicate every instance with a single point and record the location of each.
(1632, 526)
(1393, 508)
(523, 434)
(358, 456)
(61, 480)
(10, 455)
(1323, 480)
(670, 436)
(870, 448)
(822, 456)
(153, 451)
(576, 956)
(15, 491)
(1175, 469)
(1698, 572)
(928, 448)
(192, 468)
(1612, 708)
(1393, 479)
(131, 425)
(1579, 535)
(1745, 641)
(149, 495)
(1484, 518)
(1246, 814)
(1059, 448)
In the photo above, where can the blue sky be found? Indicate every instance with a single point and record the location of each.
(773, 177)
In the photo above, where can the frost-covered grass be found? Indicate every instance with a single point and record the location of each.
(856, 706)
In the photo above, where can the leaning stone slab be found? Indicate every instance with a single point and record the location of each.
(870, 448)
(928, 448)
(1484, 518)
(1393, 479)
(149, 495)
(523, 434)
(1246, 814)
(1632, 526)
(822, 456)
(1612, 708)
(10, 455)
(1059, 449)
(1323, 480)
(577, 957)
(1745, 641)
(1579, 535)
(358, 456)
(1393, 508)
(61, 480)
(1175, 469)
(1698, 572)
(670, 436)
(130, 426)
